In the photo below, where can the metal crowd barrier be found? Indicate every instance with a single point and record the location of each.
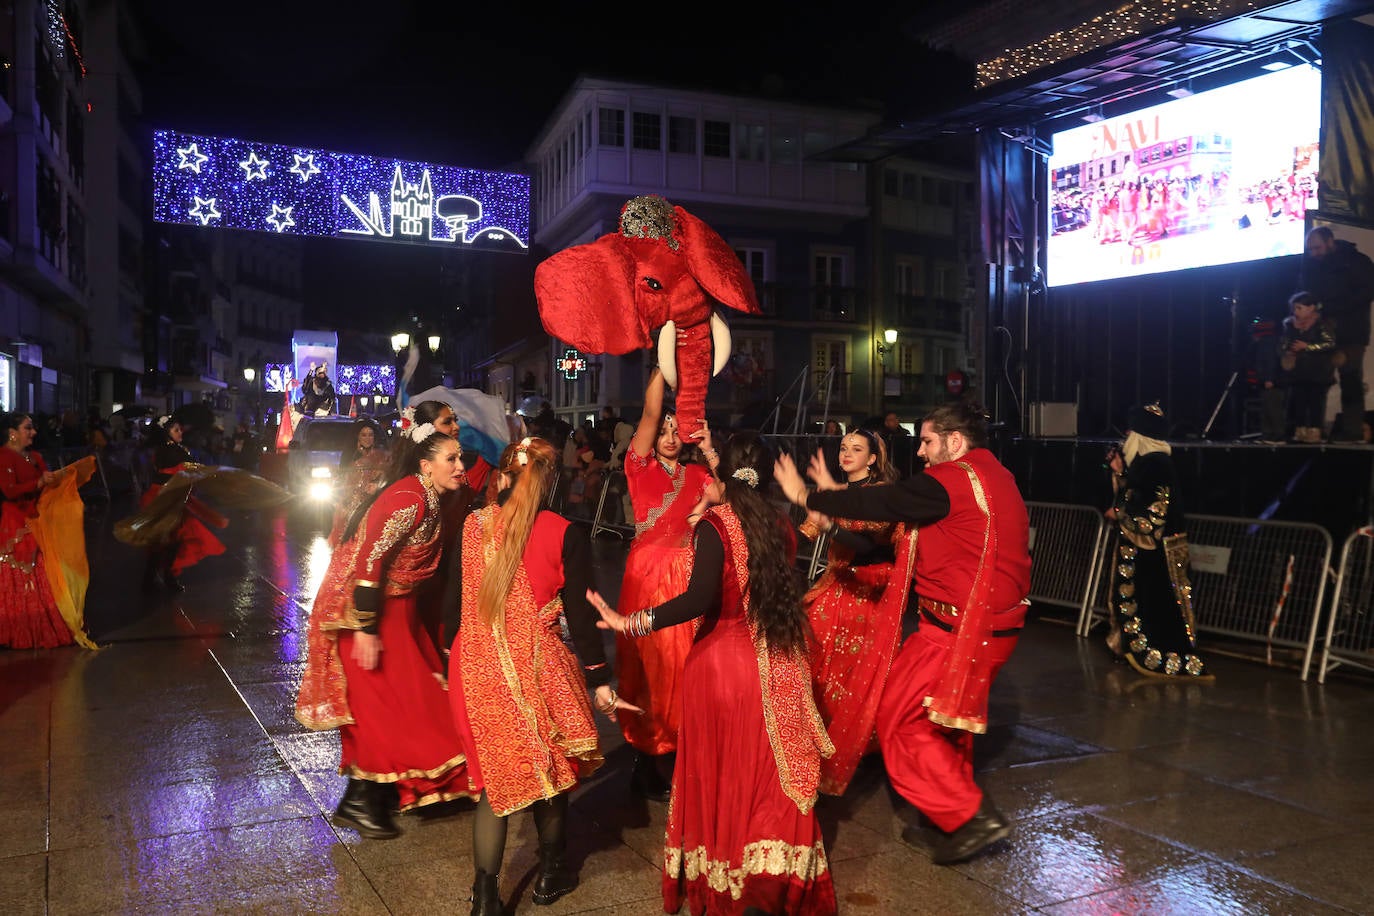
(1253, 579)
(1350, 622)
(1065, 547)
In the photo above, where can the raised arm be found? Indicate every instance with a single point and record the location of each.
(642, 442)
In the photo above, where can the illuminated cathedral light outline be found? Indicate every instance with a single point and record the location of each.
(205, 210)
(428, 203)
(191, 158)
(280, 219)
(305, 166)
(254, 167)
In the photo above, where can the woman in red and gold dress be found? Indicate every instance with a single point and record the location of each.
(853, 638)
(192, 540)
(666, 494)
(372, 671)
(362, 472)
(29, 615)
(517, 692)
(742, 833)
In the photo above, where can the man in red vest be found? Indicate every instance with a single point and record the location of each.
(966, 553)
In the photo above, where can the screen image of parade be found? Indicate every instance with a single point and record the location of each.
(1217, 177)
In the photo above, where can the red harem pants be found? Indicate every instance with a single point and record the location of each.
(930, 765)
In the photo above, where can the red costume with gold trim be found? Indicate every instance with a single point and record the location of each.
(362, 478)
(656, 569)
(518, 695)
(29, 615)
(853, 642)
(393, 721)
(970, 565)
(193, 540)
(741, 830)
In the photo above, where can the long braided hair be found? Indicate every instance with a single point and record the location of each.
(532, 466)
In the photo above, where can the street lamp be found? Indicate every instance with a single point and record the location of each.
(399, 341)
(434, 343)
(249, 373)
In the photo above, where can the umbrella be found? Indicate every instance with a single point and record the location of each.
(134, 411)
(197, 416)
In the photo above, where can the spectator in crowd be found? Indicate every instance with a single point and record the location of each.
(1341, 277)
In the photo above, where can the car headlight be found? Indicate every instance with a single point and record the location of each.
(322, 473)
(321, 492)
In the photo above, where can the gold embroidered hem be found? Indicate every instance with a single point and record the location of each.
(357, 772)
(764, 857)
(434, 798)
(976, 726)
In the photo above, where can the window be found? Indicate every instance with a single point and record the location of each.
(946, 191)
(891, 180)
(682, 135)
(827, 270)
(816, 142)
(944, 283)
(648, 131)
(589, 131)
(715, 140)
(907, 280)
(928, 194)
(908, 186)
(612, 124)
(749, 142)
(755, 263)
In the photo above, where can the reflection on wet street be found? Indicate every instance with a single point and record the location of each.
(165, 774)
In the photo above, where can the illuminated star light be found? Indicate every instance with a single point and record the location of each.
(205, 210)
(191, 158)
(305, 166)
(280, 218)
(254, 167)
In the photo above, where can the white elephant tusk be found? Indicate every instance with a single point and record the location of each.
(667, 353)
(720, 342)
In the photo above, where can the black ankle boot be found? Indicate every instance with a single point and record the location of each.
(363, 810)
(555, 877)
(486, 895)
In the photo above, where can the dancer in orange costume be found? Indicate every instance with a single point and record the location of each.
(667, 496)
(853, 640)
(517, 694)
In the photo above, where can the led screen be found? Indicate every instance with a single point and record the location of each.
(1213, 178)
(223, 183)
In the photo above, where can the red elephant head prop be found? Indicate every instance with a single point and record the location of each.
(664, 272)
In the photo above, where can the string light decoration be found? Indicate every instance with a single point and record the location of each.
(1127, 20)
(226, 183)
(362, 379)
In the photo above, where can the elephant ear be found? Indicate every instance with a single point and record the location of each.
(586, 297)
(715, 265)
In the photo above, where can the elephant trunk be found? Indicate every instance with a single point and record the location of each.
(693, 375)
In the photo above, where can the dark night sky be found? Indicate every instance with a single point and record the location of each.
(471, 86)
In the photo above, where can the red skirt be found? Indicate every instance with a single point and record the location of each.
(734, 839)
(402, 731)
(649, 670)
(851, 654)
(194, 540)
(29, 618)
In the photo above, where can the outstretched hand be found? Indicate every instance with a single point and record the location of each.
(820, 472)
(610, 618)
(789, 479)
(608, 702)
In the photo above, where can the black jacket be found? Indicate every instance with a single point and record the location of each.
(1343, 282)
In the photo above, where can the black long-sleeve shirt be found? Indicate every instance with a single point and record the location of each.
(917, 499)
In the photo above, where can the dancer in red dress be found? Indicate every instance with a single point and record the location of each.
(372, 670)
(518, 694)
(29, 615)
(666, 493)
(742, 834)
(192, 540)
(362, 472)
(853, 640)
(969, 561)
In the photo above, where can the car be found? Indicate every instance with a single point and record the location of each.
(316, 450)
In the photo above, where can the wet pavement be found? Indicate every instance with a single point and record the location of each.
(165, 774)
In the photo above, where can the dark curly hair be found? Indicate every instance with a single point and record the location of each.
(775, 589)
(405, 461)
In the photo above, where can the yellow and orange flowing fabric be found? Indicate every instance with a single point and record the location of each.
(60, 532)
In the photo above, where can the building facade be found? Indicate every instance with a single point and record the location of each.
(843, 255)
